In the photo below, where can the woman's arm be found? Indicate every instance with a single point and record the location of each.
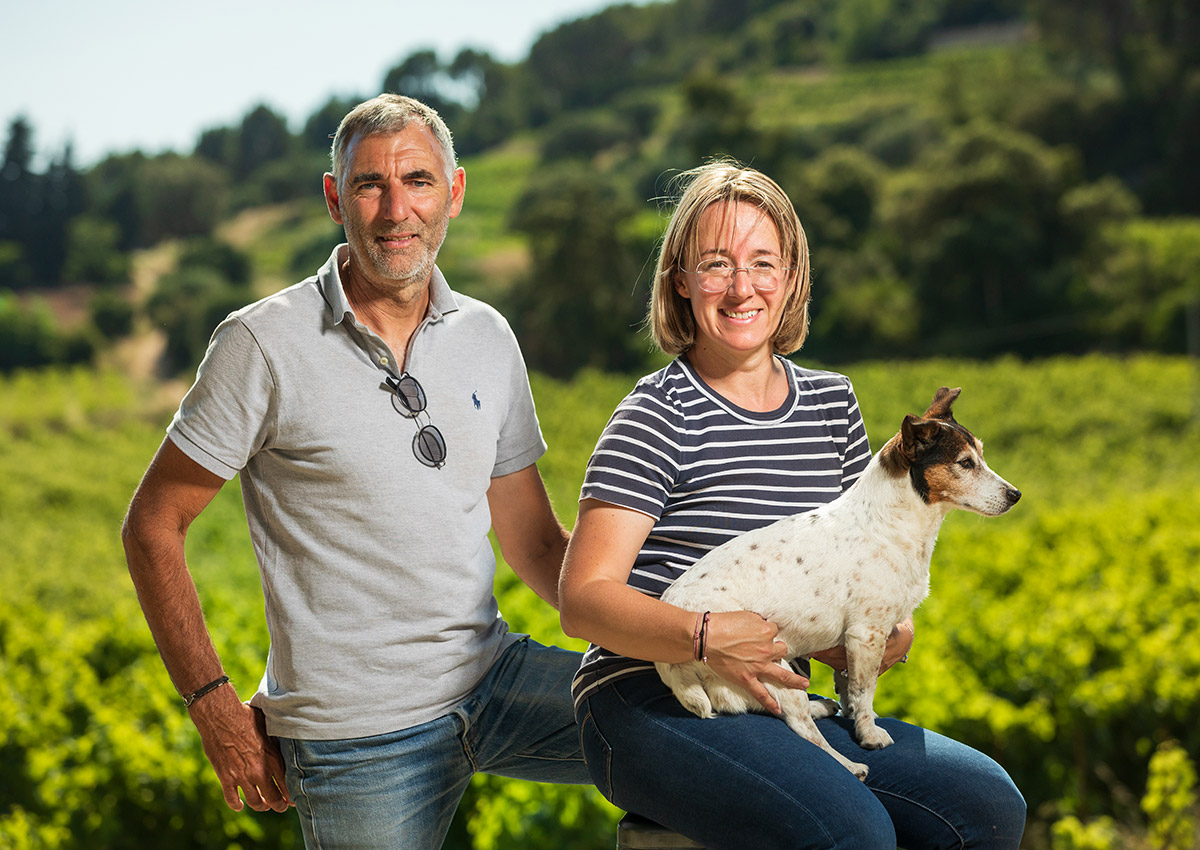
(597, 604)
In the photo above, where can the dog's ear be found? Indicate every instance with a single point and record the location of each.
(917, 435)
(942, 400)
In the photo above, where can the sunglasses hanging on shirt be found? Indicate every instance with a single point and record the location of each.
(408, 397)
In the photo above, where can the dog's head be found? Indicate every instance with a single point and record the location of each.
(944, 461)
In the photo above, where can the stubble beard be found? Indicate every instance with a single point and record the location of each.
(402, 275)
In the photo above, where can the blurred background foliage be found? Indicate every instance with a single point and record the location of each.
(977, 177)
(1058, 639)
(999, 194)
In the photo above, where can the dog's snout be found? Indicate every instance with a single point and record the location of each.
(1013, 495)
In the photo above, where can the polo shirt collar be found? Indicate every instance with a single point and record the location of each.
(442, 299)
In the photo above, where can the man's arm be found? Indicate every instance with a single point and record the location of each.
(532, 539)
(173, 492)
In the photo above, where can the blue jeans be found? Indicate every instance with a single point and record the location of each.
(733, 782)
(401, 789)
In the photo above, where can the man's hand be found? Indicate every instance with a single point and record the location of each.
(242, 754)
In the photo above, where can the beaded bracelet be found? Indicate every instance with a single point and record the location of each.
(209, 688)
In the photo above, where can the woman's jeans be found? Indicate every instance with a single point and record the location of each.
(400, 790)
(733, 782)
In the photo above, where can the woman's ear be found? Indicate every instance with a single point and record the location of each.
(680, 285)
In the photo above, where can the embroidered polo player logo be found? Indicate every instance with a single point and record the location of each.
(475, 399)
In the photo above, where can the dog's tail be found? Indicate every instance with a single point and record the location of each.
(686, 682)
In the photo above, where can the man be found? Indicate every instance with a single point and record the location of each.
(380, 423)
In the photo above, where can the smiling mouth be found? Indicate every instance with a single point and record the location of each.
(740, 314)
(402, 238)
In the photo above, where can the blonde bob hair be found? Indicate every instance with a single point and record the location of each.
(725, 181)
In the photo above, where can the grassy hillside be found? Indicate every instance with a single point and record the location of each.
(1054, 637)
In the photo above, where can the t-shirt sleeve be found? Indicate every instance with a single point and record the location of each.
(229, 412)
(858, 447)
(636, 461)
(520, 442)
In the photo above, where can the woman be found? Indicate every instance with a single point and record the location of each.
(728, 437)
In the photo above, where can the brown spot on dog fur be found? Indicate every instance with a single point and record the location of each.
(938, 482)
(753, 547)
(892, 459)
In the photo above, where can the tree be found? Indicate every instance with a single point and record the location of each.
(1151, 135)
(62, 191)
(1141, 280)
(93, 255)
(17, 179)
(976, 226)
(318, 131)
(501, 100)
(177, 196)
(422, 76)
(20, 203)
(112, 187)
(218, 145)
(717, 121)
(580, 305)
(262, 138)
(584, 62)
(187, 306)
(882, 29)
(1147, 42)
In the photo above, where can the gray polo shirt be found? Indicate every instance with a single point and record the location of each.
(376, 569)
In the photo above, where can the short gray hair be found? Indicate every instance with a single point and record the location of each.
(385, 115)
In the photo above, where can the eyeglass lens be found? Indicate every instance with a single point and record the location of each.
(408, 397)
(717, 275)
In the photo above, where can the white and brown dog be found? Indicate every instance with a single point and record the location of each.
(843, 574)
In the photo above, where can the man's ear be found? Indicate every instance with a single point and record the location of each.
(332, 202)
(458, 191)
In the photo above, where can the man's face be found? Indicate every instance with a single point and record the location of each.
(397, 198)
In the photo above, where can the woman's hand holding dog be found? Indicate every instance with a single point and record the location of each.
(742, 648)
(899, 643)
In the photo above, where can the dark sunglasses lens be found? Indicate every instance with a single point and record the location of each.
(429, 446)
(410, 394)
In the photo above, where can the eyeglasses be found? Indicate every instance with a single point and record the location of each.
(716, 274)
(408, 398)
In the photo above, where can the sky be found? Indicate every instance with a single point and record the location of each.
(153, 74)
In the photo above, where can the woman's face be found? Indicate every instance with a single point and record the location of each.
(739, 317)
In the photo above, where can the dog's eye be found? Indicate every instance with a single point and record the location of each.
(967, 463)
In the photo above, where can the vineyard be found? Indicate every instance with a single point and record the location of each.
(1060, 638)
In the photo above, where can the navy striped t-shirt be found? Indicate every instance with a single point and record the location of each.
(707, 470)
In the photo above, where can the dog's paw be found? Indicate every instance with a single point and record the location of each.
(873, 738)
(822, 707)
(859, 770)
